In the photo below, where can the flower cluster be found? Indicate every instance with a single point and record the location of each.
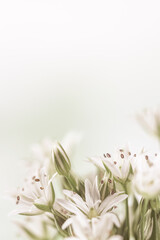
(120, 201)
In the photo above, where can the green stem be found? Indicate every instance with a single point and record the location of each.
(156, 225)
(144, 206)
(127, 214)
(72, 182)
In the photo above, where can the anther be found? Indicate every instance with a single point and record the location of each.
(41, 188)
(18, 198)
(37, 180)
(146, 157)
(108, 155)
(122, 155)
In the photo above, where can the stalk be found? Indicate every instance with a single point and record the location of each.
(156, 225)
(127, 214)
(144, 206)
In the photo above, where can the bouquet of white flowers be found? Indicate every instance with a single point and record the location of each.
(120, 201)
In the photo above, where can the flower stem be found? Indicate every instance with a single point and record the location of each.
(156, 225)
(144, 206)
(127, 214)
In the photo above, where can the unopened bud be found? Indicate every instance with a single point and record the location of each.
(61, 160)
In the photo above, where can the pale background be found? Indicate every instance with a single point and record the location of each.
(82, 65)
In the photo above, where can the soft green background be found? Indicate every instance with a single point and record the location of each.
(87, 66)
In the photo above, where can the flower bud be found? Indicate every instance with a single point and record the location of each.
(61, 160)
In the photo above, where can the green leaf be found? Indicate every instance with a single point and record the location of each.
(42, 207)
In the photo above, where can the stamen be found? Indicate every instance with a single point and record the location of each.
(146, 157)
(18, 198)
(108, 155)
(155, 154)
(33, 177)
(102, 181)
(115, 162)
(129, 153)
(122, 155)
(37, 180)
(134, 155)
(109, 180)
(104, 155)
(41, 188)
(121, 150)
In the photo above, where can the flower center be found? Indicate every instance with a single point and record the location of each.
(92, 213)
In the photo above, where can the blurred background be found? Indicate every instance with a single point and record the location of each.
(86, 66)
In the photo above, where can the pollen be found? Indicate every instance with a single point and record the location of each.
(122, 155)
(146, 157)
(18, 198)
(37, 180)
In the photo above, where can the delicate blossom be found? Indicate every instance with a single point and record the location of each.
(98, 229)
(119, 163)
(150, 120)
(92, 206)
(36, 196)
(146, 179)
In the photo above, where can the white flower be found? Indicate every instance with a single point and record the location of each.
(146, 179)
(92, 206)
(150, 120)
(119, 163)
(36, 196)
(97, 229)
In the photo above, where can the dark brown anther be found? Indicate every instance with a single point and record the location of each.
(37, 180)
(129, 153)
(102, 181)
(109, 180)
(121, 150)
(122, 155)
(134, 155)
(41, 188)
(108, 155)
(104, 155)
(18, 198)
(146, 157)
(115, 162)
